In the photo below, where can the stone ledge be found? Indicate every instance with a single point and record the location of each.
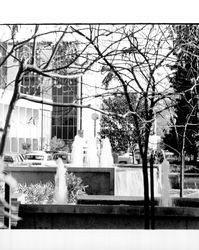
(108, 209)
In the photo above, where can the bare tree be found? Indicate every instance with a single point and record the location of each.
(134, 58)
(137, 57)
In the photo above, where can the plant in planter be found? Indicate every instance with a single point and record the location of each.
(75, 187)
(44, 193)
(38, 193)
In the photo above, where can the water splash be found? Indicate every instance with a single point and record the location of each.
(92, 159)
(129, 182)
(60, 196)
(106, 158)
(77, 152)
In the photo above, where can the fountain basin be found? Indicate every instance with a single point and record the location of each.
(120, 214)
(99, 180)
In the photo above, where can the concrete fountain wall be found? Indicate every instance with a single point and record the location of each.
(100, 181)
(105, 212)
(127, 214)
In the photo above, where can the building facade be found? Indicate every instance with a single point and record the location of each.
(34, 123)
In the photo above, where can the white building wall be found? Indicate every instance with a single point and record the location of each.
(94, 80)
(25, 124)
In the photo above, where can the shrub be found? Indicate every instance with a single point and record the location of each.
(75, 187)
(37, 193)
(44, 193)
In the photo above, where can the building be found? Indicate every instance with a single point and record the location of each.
(27, 120)
(34, 123)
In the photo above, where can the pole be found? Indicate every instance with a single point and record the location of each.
(81, 83)
(94, 128)
(42, 113)
(182, 175)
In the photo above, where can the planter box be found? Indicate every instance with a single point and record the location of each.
(105, 216)
(100, 181)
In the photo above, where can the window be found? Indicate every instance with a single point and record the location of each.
(14, 144)
(22, 115)
(7, 146)
(21, 141)
(35, 144)
(29, 118)
(64, 120)
(35, 116)
(3, 68)
(31, 85)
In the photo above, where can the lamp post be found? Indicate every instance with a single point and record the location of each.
(95, 117)
(42, 114)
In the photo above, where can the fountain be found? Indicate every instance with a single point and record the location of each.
(121, 210)
(128, 180)
(92, 159)
(60, 196)
(77, 154)
(106, 157)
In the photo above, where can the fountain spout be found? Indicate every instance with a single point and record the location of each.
(92, 159)
(61, 192)
(106, 159)
(77, 152)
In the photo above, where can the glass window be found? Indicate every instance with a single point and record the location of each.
(35, 144)
(65, 132)
(22, 115)
(21, 141)
(30, 85)
(14, 144)
(35, 116)
(15, 114)
(59, 98)
(7, 145)
(59, 132)
(29, 115)
(3, 68)
(28, 141)
(64, 120)
(54, 131)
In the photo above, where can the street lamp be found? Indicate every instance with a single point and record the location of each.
(42, 112)
(94, 117)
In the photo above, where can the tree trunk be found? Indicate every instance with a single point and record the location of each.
(182, 173)
(10, 109)
(146, 194)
